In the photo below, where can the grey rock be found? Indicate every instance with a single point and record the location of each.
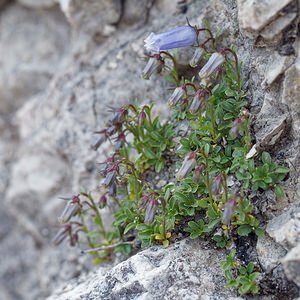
(92, 17)
(184, 270)
(291, 265)
(273, 31)
(269, 253)
(29, 59)
(285, 228)
(271, 123)
(38, 3)
(276, 66)
(255, 15)
(291, 93)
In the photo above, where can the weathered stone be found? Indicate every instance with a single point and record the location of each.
(291, 265)
(291, 93)
(285, 229)
(276, 66)
(136, 12)
(274, 30)
(271, 123)
(254, 15)
(269, 253)
(32, 56)
(184, 270)
(38, 3)
(92, 17)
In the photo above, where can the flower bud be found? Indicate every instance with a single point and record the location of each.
(187, 166)
(61, 234)
(98, 141)
(150, 211)
(102, 201)
(141, 117)
(71, 209)
(73, 239)
(198, 102)
(211, 66)
(228, 210)
(152, 66)
(110, 178)
(196, 57)
(112, 190)
(143, 202)
(175, 97)
(175, 38)
(217, 185)
(197, 174)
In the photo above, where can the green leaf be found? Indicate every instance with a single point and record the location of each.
(250, 267)
(149, 153)
(259, 232)
(279, 191)
(266, 158)
(159, 166)
(129, 227)
(254, 289)
(206, 148)
(244, 230)
(244, 288)
(243, 270)
(125, 248)
(281, 169)
(181, 197)
(194, 235)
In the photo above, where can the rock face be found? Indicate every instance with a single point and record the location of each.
(62, 66)
(185, 270)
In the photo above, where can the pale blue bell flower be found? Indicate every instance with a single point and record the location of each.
(175, 38)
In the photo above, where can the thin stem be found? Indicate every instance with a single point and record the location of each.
(225, 186)
(236, 64)
(211, 113)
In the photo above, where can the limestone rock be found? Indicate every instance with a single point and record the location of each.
(291, 92)
(92, 17)
(254, 15)
(32, 56)
(184, 270)
(276, 66)
(291, 265)
(285, 229)
(38, 3)
(271, 123)
(269, 253)
(273, 31)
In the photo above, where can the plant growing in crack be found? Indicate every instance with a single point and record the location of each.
(216, 149)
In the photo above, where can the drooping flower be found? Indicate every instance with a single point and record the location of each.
(152, 66)
(198, 102)
(197, 173)
(102, 201)
(236, 127)
(62, 233)
(211, 66)
(175, 38)
(217, 185)
(228, 210)
(187, 166)
(71, 209)
(150, 210)
(110, 178)
(196, 57)
(176, 96)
